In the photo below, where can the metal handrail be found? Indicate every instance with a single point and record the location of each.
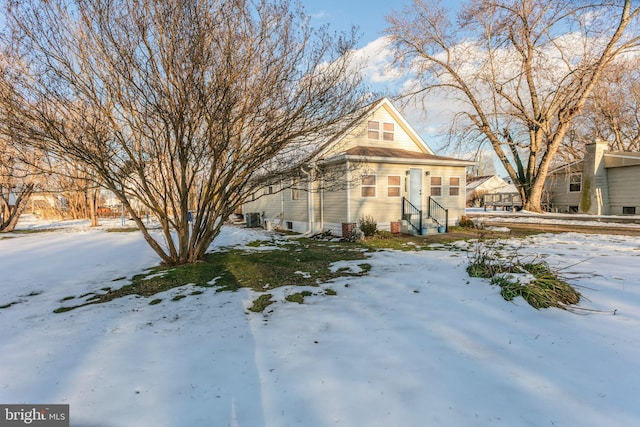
(436, 211)
(409, 211)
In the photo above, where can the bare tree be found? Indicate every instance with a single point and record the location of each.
(19, 178)
(612, 112)
(78, 186)
(521, 70)
(178, 104)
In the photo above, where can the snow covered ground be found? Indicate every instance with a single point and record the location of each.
(416, 342)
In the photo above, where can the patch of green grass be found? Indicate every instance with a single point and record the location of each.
(383, 235)
(256, 269)
(262, 302)
(235, 268)
(298, 297)
(365, 268)
(155, 301)
(329, 291)
(178, 297)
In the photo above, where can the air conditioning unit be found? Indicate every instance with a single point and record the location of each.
(253, 219)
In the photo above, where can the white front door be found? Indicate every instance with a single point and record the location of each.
(415, 188)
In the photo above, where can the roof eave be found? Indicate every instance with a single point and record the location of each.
(395, 160)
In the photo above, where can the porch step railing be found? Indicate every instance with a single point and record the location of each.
(412, 215)
(438, 213)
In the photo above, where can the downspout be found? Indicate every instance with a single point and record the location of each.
(309, 201)
(348, 193)
(322, 205)
(321, 191)
(282, 185)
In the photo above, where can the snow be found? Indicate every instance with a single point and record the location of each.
(414, 342)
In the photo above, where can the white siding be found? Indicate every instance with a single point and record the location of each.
(385, 209)
(359, 137)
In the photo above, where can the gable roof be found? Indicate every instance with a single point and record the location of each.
(356, 120)
(319, 150)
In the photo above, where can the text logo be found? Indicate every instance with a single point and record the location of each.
(34, 415)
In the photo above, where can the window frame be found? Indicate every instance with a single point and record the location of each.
(431, 186)
(394, 186)
(364, 186)
(630, 210)
(386, 132)
(454, 187)
(371, 131)
(573, 184)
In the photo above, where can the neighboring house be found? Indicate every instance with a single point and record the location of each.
(378, 167)
(603, 183)
(478, 186)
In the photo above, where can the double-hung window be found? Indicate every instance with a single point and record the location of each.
(454, 186)
(393, 186)
(436, 186)
(575, 183)
(387, 131)
(368, 187)
(373, 130)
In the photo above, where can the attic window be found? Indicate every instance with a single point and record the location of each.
(373, 130)
(387, 131)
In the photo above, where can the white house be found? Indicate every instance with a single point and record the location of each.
(377, 167)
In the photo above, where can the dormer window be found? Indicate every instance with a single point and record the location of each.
(374, 131)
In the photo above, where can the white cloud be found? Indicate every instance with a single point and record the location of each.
(377, 58)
